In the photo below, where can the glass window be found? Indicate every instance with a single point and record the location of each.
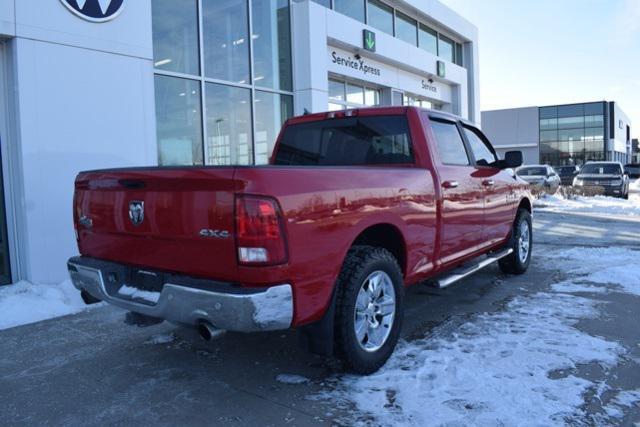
(352, 8)
(428, 39)
(571, 110)
(355, 94)
(549, 112)
(548, 135)
(594, 121)
(179, 118)
(459, 54)
(335, 107)
(272, 44)
(532, 171)
(406, 29)
(229, 140)
(593, 109)
(175, 36)
(592, 134)
(446, 48)
(371, 97)
(571, 135)
(347, 142)
(380, 16)
(483, 154)
(570, 122)
(449, 143)
(336, 90)
(226, 40)
(548, 124)
(271, 112)
(601, 169)
(325, 3)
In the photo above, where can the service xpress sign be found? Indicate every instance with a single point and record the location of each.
(352, 63)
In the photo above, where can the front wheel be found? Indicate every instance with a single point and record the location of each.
(369, 308)
(521, 241)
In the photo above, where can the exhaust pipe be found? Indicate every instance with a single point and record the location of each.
(88, 298)
(209, 332)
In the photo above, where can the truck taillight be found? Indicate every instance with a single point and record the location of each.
(259, 231)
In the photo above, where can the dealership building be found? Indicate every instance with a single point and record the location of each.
(92, 84)
(560, 135)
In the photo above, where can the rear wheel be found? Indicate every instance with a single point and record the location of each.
(521, 242)
(369, 309)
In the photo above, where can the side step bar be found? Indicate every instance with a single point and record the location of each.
(460, 273)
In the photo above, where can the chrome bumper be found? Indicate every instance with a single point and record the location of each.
(266, 309)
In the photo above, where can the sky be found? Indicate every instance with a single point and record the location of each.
(544, 52)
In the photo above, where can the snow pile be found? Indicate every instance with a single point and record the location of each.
(495, 370)
(24, 302)
(598, 270)
(596, 204)
(292, 379)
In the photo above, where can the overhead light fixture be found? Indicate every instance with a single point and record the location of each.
(163, 62)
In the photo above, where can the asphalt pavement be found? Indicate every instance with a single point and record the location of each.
(92, 369)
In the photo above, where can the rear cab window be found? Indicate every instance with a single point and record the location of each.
(348, 141)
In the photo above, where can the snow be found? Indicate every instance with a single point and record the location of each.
(23, 303)
(513, 367)
(161, 339)
(597, 270)
(135, 293)
(291, 379)
(595, 204)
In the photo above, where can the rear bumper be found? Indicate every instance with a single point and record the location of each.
(191, 301)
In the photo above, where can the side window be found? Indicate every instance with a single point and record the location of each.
(481, 151)
(449, 143)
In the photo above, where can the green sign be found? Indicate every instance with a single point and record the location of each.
(441, 70)
(369, 40)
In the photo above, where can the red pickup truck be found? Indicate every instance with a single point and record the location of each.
(354, 206)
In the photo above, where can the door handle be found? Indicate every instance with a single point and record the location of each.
(488, 183)
(450, 184)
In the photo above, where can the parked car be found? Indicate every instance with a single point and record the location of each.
(633, 170)
(567, 173)
(608, 178)
(541, 177)
(354, 206)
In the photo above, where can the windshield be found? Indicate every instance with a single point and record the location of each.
(566, 170)
(601, 169)
(534, 171)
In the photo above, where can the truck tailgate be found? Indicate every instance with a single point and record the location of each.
(173, 219)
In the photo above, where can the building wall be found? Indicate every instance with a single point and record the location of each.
(82, 98)
(319, 32)
(620, 139)
(514, 130)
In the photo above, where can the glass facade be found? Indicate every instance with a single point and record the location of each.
(572, 134)
(223, 79)
(385, 18)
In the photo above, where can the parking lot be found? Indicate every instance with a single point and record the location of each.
(573, 356)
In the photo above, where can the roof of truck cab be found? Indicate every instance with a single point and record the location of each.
(375, 111)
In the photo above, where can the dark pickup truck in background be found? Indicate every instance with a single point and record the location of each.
(354, 206)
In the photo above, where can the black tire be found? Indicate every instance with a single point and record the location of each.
(361, 262)
(515, 263)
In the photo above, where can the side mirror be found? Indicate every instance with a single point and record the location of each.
(512, 159)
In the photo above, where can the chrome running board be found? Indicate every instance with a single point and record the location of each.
(457, 274)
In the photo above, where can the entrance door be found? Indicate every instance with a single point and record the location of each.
(5, 266)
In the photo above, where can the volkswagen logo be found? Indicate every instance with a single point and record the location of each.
(95, 10)
(136, 212)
